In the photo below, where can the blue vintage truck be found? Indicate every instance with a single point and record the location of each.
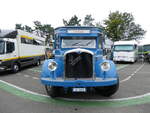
(78, 63)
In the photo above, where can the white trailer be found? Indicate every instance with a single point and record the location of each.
(126, 51)
(19, 48)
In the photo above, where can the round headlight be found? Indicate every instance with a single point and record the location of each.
(105, 66)
(52, 66)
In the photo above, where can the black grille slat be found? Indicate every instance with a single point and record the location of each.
(78, 65)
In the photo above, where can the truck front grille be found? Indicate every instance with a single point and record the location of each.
(79, 65)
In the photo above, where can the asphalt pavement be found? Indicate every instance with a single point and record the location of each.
(23, 93)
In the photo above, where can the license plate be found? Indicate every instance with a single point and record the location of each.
(79, 90)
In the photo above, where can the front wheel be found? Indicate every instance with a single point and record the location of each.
(108, 91)
(53, 91)
(15, 68)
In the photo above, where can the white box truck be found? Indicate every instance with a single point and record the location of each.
(126, 51)
(19, 48)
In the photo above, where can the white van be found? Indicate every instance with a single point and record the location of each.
(19, 48)
(126, 51)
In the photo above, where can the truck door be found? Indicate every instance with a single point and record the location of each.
(10, 50)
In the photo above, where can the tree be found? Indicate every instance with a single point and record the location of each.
(24, 28)
(38, 28)
(28, 29)
(48, 31)
(19, 26)
(88, 20)
(74, 21)
(43, 30)
(121, 26)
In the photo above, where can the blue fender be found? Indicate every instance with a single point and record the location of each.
(112, 73)
(57, 73)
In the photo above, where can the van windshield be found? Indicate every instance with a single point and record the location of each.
(2, 47)
(78, 42)
(123, 48)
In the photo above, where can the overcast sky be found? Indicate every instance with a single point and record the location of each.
(53, 11)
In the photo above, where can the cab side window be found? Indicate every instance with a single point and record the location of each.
(10, 47)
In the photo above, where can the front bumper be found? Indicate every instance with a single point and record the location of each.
(124, 59)
(80, 83)
(3, 68)
(5, 65)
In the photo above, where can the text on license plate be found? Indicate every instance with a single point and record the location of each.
(79, 90)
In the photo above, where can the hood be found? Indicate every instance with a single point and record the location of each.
(65, 51)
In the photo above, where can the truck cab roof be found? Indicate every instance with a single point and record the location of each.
(78, 31)
(8, 33)
(132, 42)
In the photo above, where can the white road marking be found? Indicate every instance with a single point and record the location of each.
(129, 77)
(118, 99)
(22, 89)
(35, 78)
(125, 79)
(121, 67)
(38, 94)
(26, 76)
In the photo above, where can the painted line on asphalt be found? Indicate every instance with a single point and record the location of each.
(133, 74)
(36, 70)
(36, 78)
(122, 66)
(35, 93)
(120, 102)
(26, 75)
(82, 102)
(39, 70)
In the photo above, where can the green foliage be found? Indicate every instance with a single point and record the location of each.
(25, 28)
(43, 30)
(28, 29)
(74, 21)
(19, 26)
(121, 26)
(88, 20)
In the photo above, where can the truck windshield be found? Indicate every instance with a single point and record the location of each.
(123, 48)
(2, 47)
(146, 48)
(78, 42)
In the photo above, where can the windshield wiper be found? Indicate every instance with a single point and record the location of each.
(75, 44)
(88, 43)
(78, 44)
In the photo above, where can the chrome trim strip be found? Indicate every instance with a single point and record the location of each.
(96, 79)
(78, 50)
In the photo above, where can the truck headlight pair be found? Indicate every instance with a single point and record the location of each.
(52, 66)
(105, 66)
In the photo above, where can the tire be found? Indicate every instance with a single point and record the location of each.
(15, 68)
(38, 62)
(108, 91)
(53, 91)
